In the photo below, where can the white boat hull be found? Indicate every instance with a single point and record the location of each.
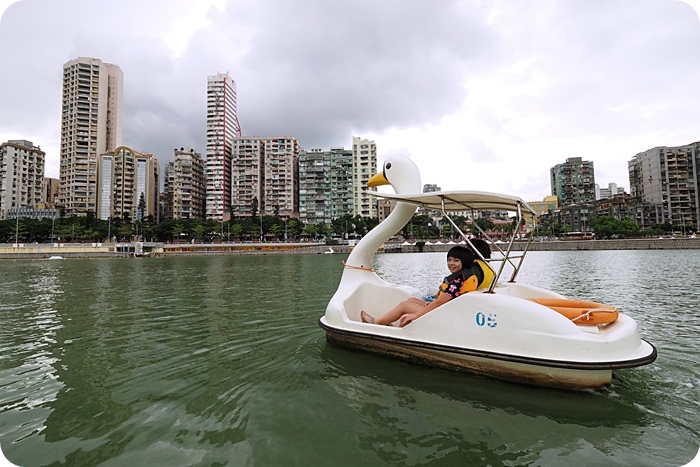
(499, 334)
(557, 374)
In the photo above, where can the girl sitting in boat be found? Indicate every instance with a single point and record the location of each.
(461, 280)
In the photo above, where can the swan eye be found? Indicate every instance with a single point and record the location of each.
(388, 165)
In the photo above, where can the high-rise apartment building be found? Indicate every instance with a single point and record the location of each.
(129, 185)
(665, 182)
(21, 176)
(166, 197)
(325, 185)
(264, 177)
(247, 176)
(364, 165)
(281, 178)
(91, 124)
(187, 185)
(573, 182)
(222, 128)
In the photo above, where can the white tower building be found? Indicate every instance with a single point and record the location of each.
(222, 127)
(91, 124)
(364, 165)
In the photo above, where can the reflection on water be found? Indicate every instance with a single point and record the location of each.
(220, 361)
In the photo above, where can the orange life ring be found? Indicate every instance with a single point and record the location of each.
(580, 311)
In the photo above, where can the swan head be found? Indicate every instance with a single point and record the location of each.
(401, 173)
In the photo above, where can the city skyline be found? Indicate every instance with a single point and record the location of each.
(505, 91)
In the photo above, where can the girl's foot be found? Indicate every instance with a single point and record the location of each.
(366, 318)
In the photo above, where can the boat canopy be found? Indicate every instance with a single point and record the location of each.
(455, 201)
(451, 201)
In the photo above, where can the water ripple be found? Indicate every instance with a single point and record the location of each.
(216, 361)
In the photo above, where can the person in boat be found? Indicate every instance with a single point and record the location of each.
(483, 273)
(461, 280)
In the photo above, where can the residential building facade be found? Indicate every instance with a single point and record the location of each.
(385, 207)
(665, 183)
(21, 176)
(264, 176)
(576, 217)
(573, 182)
(325, 185)
(364, 165)
(50, 188)
(611, 190)
(189, 185)
(547, 206)
(166, 197)
(222, 128)
(125, 178)
(281, 177)
(91, 124)
(247, 176)
(619, 206)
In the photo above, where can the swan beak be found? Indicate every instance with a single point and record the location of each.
(377, 180)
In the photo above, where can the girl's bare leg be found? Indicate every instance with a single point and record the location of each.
(407, 306)
(417, 301)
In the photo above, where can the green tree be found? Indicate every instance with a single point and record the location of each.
(200, 231)
(277, 230)
(124, 232)
(236, 230)
(487, 225)
(628, 228)
(177, 231)
(141, 209)
(311, 230)
(294, 227)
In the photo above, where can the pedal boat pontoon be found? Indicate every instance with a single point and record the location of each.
(507, 330)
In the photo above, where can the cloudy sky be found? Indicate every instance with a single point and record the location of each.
(482, 94)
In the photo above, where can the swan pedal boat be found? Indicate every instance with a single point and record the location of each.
(506, 330)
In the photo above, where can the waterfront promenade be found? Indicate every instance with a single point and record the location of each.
(156, 249)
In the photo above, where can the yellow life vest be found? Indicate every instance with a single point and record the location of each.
(486, 273)
(470, 284)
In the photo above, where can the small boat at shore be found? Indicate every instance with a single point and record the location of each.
(55, 257)
(506, 330)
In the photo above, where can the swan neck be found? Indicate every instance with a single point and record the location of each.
(363, 253)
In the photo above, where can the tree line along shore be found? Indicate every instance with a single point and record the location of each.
(152, 249)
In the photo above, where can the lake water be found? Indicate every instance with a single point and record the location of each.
(220, 361)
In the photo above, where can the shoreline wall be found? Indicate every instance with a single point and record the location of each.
(128, 250)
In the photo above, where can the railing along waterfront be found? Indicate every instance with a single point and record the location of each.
(677, 243)
(145, 249)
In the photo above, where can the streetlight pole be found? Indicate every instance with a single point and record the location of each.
(683, 223)
(17, 230)
(261, 229)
